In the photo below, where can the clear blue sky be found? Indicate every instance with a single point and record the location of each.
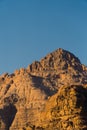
(30, 29)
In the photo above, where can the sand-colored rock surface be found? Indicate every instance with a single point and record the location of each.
(49, 94)
(69, 110)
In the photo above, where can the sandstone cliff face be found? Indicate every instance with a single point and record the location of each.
(41, 96)
(69, 110)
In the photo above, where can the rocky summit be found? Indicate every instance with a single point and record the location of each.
(50, 94)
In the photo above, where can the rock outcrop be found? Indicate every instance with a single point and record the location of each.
(50, 94)
(68, 111)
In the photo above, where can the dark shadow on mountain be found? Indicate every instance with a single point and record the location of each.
(38, 83)
(7, 115)
(81, 95)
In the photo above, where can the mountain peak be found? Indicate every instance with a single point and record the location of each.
(65, 55)
(59, 59)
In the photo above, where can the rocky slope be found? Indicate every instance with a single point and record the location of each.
(50, 94)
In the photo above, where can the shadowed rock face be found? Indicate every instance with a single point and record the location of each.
(36, 97)
(7, 115)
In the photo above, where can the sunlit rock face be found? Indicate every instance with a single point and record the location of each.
(69, 111)
(34, 98)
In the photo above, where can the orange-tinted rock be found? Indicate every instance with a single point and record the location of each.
(27, 95)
